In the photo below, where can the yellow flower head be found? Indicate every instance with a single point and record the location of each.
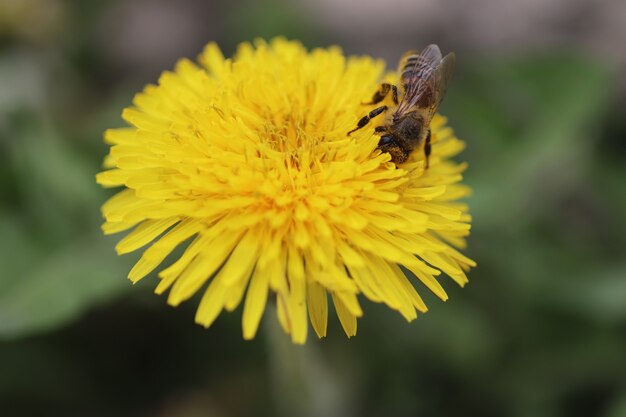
(248, 160)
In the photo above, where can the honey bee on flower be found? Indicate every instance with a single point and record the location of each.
(424, 78)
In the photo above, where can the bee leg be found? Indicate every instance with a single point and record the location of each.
(427, 148)
(366, 119)
(380, 129)
(382, 93)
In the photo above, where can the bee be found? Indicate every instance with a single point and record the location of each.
(424, 77)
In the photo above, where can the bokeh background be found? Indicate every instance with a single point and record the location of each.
(540, 97)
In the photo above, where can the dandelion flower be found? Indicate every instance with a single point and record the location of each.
(246, 162)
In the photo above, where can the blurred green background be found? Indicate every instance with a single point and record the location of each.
(539, 96)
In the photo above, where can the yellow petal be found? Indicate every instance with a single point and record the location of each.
(202, 267)
(317, 303)
(346, 317)
(145, 233)
(156, 253)
(254, 306)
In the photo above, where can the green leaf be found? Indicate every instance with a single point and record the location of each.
(601, 298)
(55, 183)
(618, 407)
(63, 286)
(17, 249)
(553, 107)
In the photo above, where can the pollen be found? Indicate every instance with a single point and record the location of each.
(244, 162)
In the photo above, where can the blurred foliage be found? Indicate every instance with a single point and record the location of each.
(55, 261)
(539, 331)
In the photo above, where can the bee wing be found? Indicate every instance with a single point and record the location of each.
(443, 75)
(426, 77)
(431, 54)
(419, 78)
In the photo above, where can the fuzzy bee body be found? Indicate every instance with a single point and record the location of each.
(423, 78)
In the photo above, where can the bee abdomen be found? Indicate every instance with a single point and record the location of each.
(415, 67)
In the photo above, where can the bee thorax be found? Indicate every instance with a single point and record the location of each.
(409, 130)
